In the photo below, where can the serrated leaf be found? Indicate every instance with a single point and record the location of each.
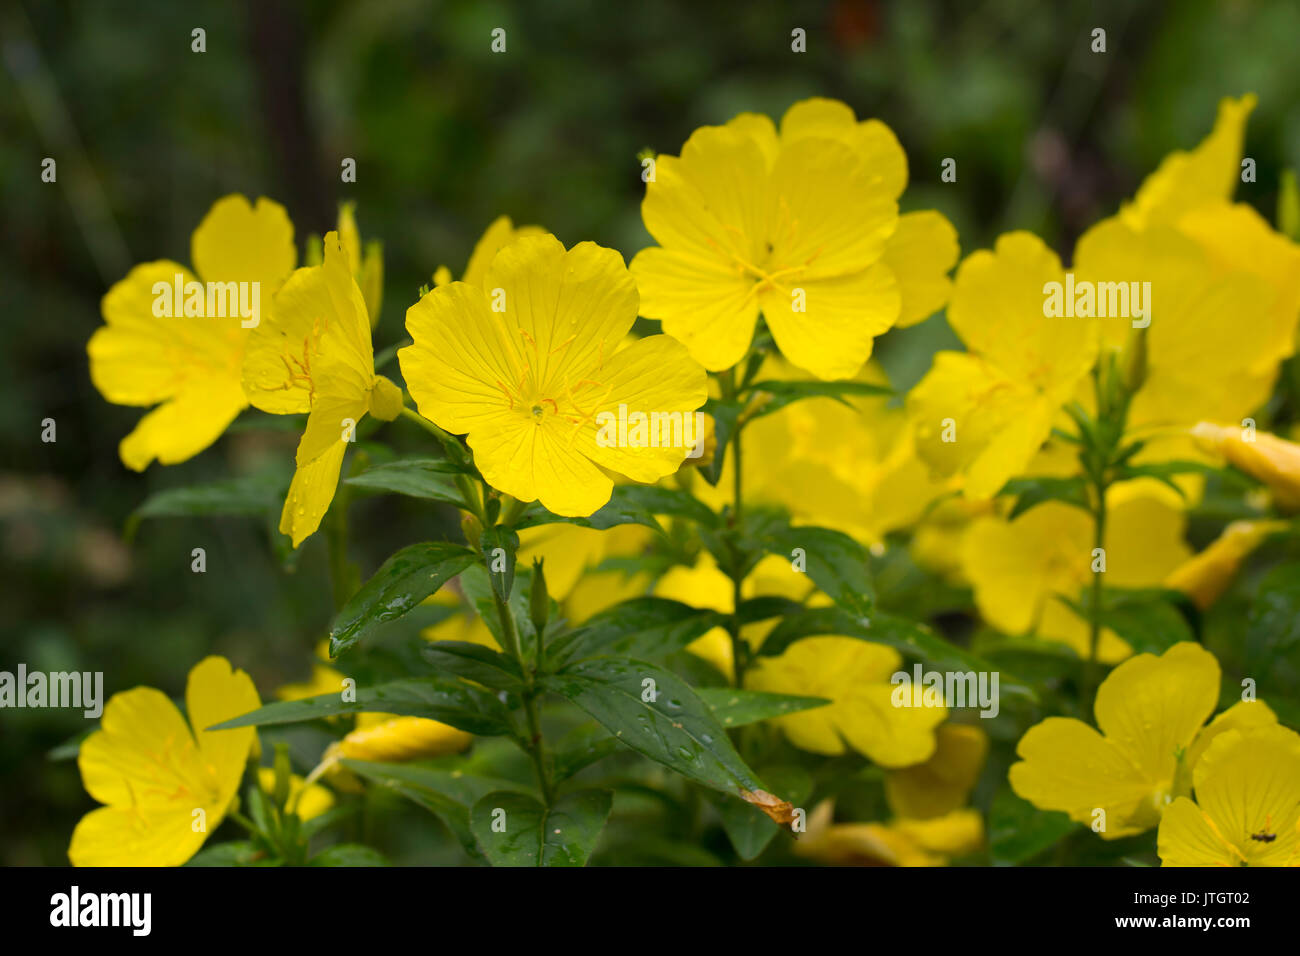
(400, 584)
(348, 854)
(475, 662)
(748, 828)
(1031, 492)
(429, 478)
(1019, 831)
(643, 627)
(453, 702)
(725, 414)
(733, 707)
(499, 546)
(836, 563)
(445, 794)
(250, 496)
(515, 830)
(656, 713)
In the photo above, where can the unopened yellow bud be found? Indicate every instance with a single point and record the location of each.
(1266, 457)
(1205, 576)
(385, 399)
(403, 738)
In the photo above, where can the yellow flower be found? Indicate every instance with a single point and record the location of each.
(855, 676)
(1018, 568)
(943, 783)
(526, 365)
(1272, 460)
(385, 737)
(187, 363)
(1205, 576)
(367, 267)
(987, 411)
(802, 226)
(314, 355)
(901, 842)
(499, 234)
(1204, 257)
(166, 783)
(1150, 711)
(1247, 804)
(307, 800)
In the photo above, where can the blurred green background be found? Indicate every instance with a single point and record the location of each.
(447, 135)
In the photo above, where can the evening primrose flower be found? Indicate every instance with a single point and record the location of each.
(986, 412)
(528, 365)
(1205, 257)
(1205, 576)
(188, 363)
(1018, 568)
(855, 676)
(803, 226)
(1267, 458)
(900, 842)
(166, 783)
(314, 355)
(499, 234)
(1247, 804)
(1150, 711)
(943, 783)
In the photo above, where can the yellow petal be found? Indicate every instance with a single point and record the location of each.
(216, 693)
(122, 836)
(943, 783)
(318, 324)
(182, 427)
(499, 234)
(142, 754)
(240, 242)
(921, 253)
(1204, 174)
(404, 738)
(1189, 838)
(1245, 715)
(1067, 766)
(1152, 707)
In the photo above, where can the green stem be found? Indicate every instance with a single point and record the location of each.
(534, 743)
(1094, 608)
(428, 426)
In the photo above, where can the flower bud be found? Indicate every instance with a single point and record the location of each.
(1205, 576)
(539, 602)
(1270, 459)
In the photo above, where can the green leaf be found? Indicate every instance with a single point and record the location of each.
(1147, 618)
(251, 496)
(785, 393)
(582, 747)
(733, 707)
(400, 584)
(725, 413)
(348, 854)
(749, 828)
(1019, 831)
(1031, 492)
(445, 794)
(903, 635)
(674, 726)
(429, 478)
(479, 591)
(515, 830)
(630, 504)
(237, 853)
(836, 563)
(467, 708)
(475, 662)
(1272, 645)
(499, 546)
(644, 627)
